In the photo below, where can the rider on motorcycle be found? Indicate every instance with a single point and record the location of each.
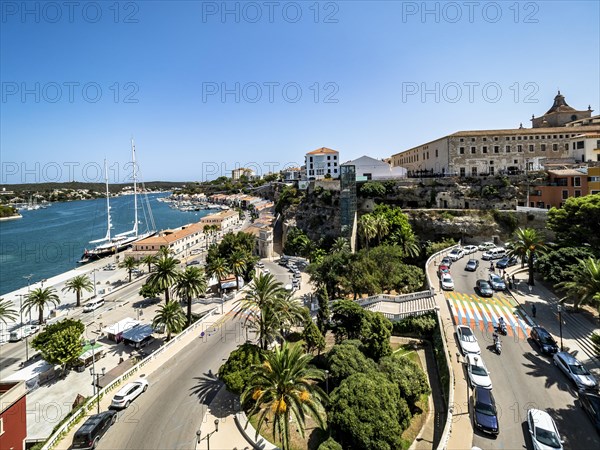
(496, 337)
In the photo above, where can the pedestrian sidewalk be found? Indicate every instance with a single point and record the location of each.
(577, 326)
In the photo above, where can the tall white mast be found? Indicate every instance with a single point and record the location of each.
(135, 207)
(109, 225)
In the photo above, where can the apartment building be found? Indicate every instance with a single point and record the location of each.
(322, 162)
(561, 185)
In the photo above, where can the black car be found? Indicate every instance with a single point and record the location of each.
(485, 415)
(484, 288)
(506, 262)
(590, 400)
(544, 340)
(472, 265)
(93, 429)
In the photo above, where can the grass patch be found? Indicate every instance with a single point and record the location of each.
(313, 435)
(406, 351)
(417, 421)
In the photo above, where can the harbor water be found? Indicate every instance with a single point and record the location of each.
(47, 242)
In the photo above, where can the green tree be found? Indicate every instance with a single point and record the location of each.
(408, 376)
(584, 289)
(166, 274)
(324, 312)
(42, 338)
(372, 189)
(78, 284)
(237, 262)
(341, 244)
(368, 413)
(7, 312)
(346, 359)
(382, 227)
(432, 248)
(297, 243)
(148, 260)
(375, 334)
(527, 242)
(219, 269)
(330, 444)
(191, 283)
(347, 320)
(559, 264)
(313, 339)
(149, 291)
(62, 347)
(367, 228)
(576, 223)
(39, 299)
(260, 307)
(284, 387)
(238, 369)
(129, 263)
(171, 317)
(400, 231)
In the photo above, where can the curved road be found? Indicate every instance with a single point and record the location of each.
(522, 377)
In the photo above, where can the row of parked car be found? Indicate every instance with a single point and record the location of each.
(96, 426)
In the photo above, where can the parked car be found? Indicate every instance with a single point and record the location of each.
(92, 305)
(478, 373)
(129, 393)
(467, 340)
(468, 249)
(447, 282)
(22, 332)
(446, 261)
(485, 415)
(486, 246)
(484, 288)
(590, 401)
(496, 282)
(573, 369)
(88, 435)
(193, 263)
(494, 253)
(443, 269)
(507, 261)
(544, 340)
(456, 254)
(542, 428)
(472, 265)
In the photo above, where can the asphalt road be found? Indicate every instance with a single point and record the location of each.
(169, 413)
(522, 378)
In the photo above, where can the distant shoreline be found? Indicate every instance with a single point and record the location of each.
(17, 216)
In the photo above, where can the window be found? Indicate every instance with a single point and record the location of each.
(531, 147)
(462, 140)
(474, 171)
(561, 136)
(567, 146)
(491, 170)
(597, 144)
(537, 137)
(484, 149)
(519, 138)
(577, 193)
(472, 139)
(334, 156)
(436, 153)
(496, 149)
(577, 181)
(519, 148)
(496, 138)
(554, 147)
(462, 171)
(461, 150)
(473, 149)
(543, 147)
(508, 149)
(310, 159)
(593, 179)
(507, 138)
(484, 139)
(328, 157)
(565, 194)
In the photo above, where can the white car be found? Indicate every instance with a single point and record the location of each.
(129, 393)
(468, 249)
(497, 283)
(544, 433)
(478, 373)
(456, 254)
(93, 305)
(486, 246)
(447, 282)
(467, 340)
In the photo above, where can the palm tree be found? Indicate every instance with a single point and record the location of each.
(166, 274)
(382, 227)
(7, 312)
(260, 307)
(191, 283)
(526, 243)
(238, 261)
(171, 317)
(164, 251)
(39, 298)
(129, 263)
(218, 268)
(290, 312)
(340, 245)
(148, 259)
(367, 228)
(585, 286)
(78, 284)
(285, 385)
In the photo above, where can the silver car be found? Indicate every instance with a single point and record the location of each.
(572, 368)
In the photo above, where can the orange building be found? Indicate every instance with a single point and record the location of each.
(561, 185)
(13, 415)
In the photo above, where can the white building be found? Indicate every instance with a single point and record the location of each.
(321, 162)
(368, 168)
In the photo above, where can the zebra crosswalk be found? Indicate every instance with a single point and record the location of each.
(483, 313)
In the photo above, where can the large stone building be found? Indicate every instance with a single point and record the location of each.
(472, 153)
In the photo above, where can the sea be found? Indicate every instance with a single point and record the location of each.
(47, 242)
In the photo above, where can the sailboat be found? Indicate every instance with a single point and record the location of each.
(110, 245)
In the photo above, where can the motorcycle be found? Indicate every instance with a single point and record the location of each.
(502, 328)
(498, 346)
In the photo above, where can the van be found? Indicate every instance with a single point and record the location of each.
(88, 435)
(93, 305)
(22, 332)
(494, 253)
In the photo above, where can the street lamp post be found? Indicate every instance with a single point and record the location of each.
(207, 437)
(28, 278)
(327, 381)
(94, 272)
(95, 376)
(559, 307)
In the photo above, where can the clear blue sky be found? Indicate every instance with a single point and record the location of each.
(374, 58)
